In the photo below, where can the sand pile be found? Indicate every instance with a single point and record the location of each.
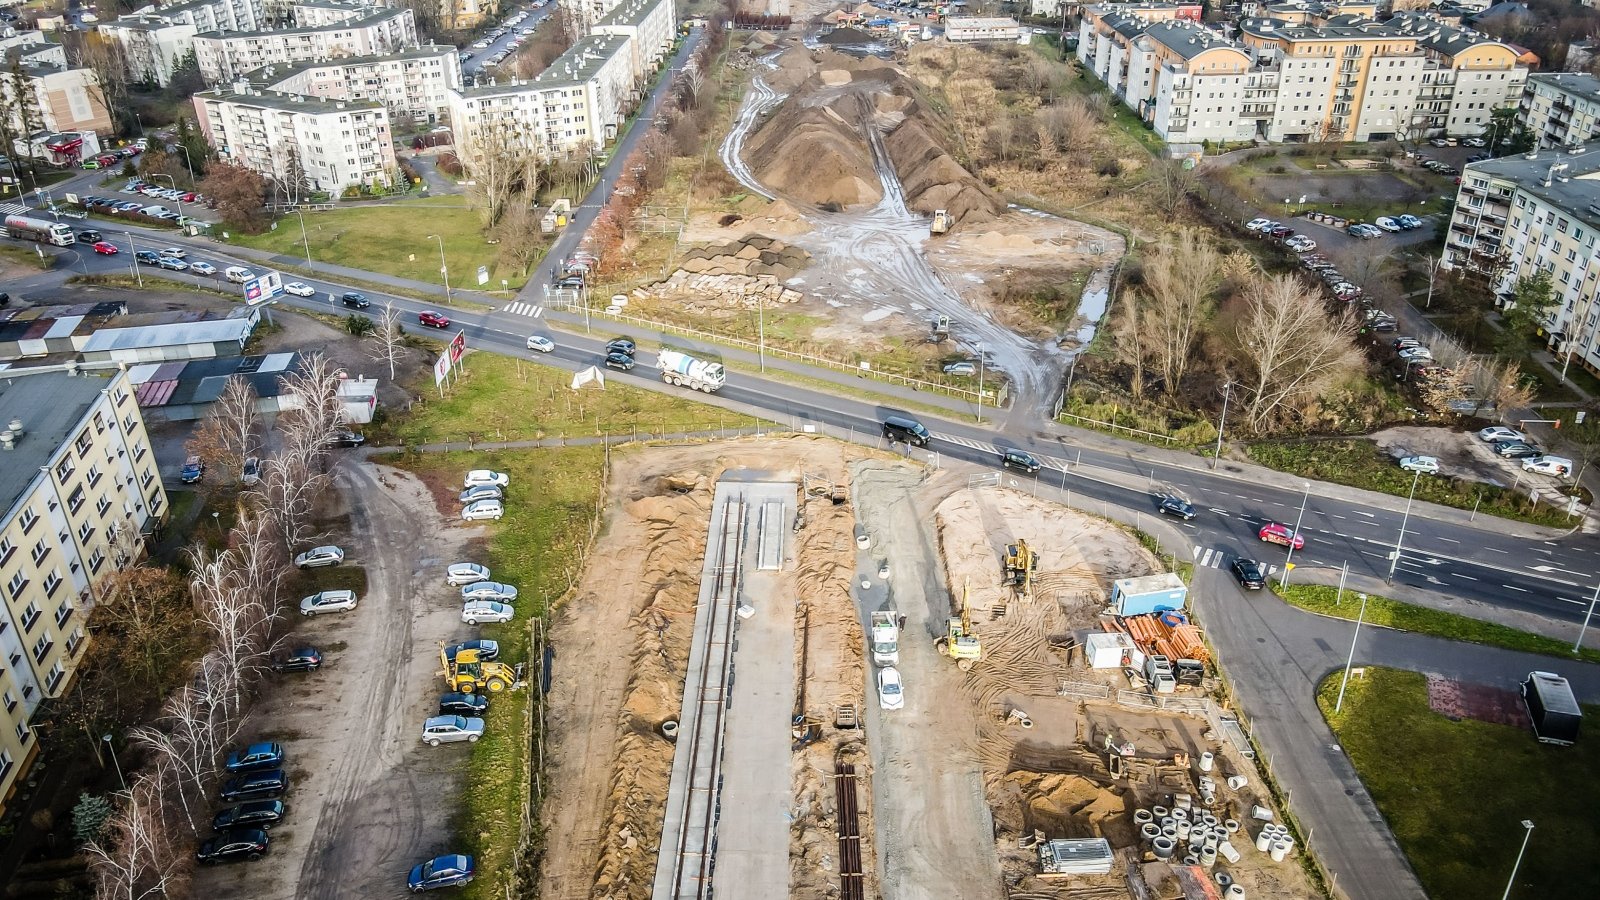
(931, 176)
(848, 36)
(814, 154)
(731, 275)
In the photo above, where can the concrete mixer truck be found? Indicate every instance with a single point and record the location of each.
(683, 369)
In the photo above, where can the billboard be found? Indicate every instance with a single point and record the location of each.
(263, 289)
(458, 347)
(441, 369)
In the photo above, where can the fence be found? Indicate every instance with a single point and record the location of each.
(1113, 427)
(608, 434)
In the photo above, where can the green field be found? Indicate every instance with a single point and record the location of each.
(393, 238)
(1455, 792)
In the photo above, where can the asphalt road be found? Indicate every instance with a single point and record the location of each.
(474, 64)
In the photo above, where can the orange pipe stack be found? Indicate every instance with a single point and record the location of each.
(1154, 636)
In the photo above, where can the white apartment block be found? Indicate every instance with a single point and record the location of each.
(1562, 109)
(413, 83)
(212, 15)
(576, 103)
(224, 56)
(78, 484)
(52, 98)
(154, 45)
(317, 13)
(338, 143)
(651, 26)
(31, 49)
(1537, 211)
(588, 11)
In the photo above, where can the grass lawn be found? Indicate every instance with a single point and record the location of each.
(1319, 598)
(1359, 464)
(393, 238)
(27, 256)
(501, 398)
(554, 496)
(1455, 792)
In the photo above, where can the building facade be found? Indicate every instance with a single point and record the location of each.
(411, 83)
(968, 29)
(651, 26)
(53, 98)
(1561, 109)
(223, 56)
(79, 484)
(328, 145)
(154, 46)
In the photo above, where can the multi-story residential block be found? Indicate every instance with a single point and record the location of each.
(223, 56)
(1561, 109)
(78, 483)
(330, 144)
(51, 97)
(652, 26)
(30, 48)
(576, 103)
(155, 46)
(211, 15)
(1537, 211)
(317, 13)
(411, 83)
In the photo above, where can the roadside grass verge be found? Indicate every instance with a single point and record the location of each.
(502, 398)
(1454, 792)
(155, 283)
(27, 256)
(1320, 599)
(553, 498)
(1359, 464)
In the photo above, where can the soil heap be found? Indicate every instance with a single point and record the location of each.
(731, 275)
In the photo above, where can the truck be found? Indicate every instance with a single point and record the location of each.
(683, 369)
(44, 231)
(885, 634)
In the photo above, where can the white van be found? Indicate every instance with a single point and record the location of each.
(238, 274)
(1559, 466)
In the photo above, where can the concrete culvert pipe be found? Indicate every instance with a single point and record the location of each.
(1149, 831)
(1237, 782)
(1163, 847)
(1207, 760)
(1227, 851)
(1264, 840)
(669, 729)
(1209, 819)
(1234, 892)
(1141, 816)
(1160, 812)
(1191, 860)
(1280, 850)
(1208, 857)
(1231, 825)
(1183, 830)
(1223, 879)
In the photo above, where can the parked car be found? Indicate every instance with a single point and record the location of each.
(1516, 450)
(1248, 573)
(541, 343)
(619, 361)
(482, 509)
(465, 573)
(328, 601)
(202, 268)
(345, 438)
(1020, 461)
(1496, 433)
(450, 870)
(264, 755)
(193, 470)
(1258, 224)
(327, 555)
(488, 651)
(489, 590)
(1416, 354)
(450, 729)
(486, 611)
(233, 845)
(1558, 466)
(1283, 535)
(301, 659)
(433, 319)
(105, 248)
(356, 300)
(299, 289)
(468, 705)
(262, 814)
(266, 784)
(1176, 506)
(481, 492)
(486, 476)
(891, 691)
(252, 470)
(1427, 465)
(1474, 142)
(964, 367)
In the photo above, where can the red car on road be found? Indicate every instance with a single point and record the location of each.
(105, 248)
(434, 319)
(1282, 535)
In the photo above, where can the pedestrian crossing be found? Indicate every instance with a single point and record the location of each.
(531, 310)
(1216, 559)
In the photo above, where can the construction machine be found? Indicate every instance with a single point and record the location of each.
(469, 675)
(960, 642)
(942, 220)
(1021, 563)
(941, 329)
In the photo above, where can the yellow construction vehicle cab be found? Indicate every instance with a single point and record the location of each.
(468, 675)
(960, 642)
(1020, 565)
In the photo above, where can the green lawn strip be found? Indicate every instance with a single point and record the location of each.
(1455, 792)
(553, 496)
(502, 398)
(1319, 598)
(154, 283)
(27, 256)
(1360, 464)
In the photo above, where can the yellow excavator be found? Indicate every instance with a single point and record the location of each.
(960, 642)
(469, 675)
(1021, 563)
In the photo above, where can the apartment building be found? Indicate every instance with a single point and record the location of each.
(335, 144)
(154, 45)
(1561, 109)
(318, 13)
(30, 48)
(1540, 210)
(50, 97)
(651, 26)
(970, 29)
(211, 15)
(376, 31)
(576, 103)
(411, 83)
(78, 483)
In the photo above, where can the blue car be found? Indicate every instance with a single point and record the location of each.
(265, 755)
(450, 870)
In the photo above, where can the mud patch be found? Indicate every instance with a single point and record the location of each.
(1464, 700)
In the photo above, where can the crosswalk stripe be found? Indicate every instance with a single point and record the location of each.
(530, 310)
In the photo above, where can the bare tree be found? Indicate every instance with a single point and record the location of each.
(1071, 124)
(1171, 181)
(1289, 347)
(1498, 384)
(1182, 277)
(136, 857)
(230, 433)
(502, 158)
(387, 343)
(144, 606)
(1131, 340)
(108, 61)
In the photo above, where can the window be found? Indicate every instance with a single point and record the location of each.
(30, 616)
(97, 559)
(149, 476)
(6, 549)
(53, 582)
(17, 583)
(75, 500)
(75, 642)
(94, 475)
(64, 469)
(5, 765)
(99, 423)
(83, 443)
(58, 672)
(10, 701)
(40, 551)
(23, 733)
(85, 532)
(28, 518)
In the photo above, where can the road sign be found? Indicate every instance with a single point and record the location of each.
(441, 369)
(483, 275)
(263, 289)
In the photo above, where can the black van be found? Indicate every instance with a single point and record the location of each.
(910, 431)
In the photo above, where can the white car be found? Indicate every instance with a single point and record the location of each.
(1413, 354)
(1258, 224)
(174, 252)
(1474, 142)
(891, 693)
(319, 556)
(1427, 465)
(202, 268)
(486, 476)
(465, 573)
(483, 509)
(299, 289)
(1558, 466)
(1304, 245)
(486, 611)
(489, 590)
(328, 601)
(1496, 433)
(541, 343)
(1387, 224)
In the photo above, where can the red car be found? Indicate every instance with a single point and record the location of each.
(436, 320)
(105, 248)
(1282, 535)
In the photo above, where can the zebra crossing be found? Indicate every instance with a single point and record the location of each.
(1216, 559)
(531, 310)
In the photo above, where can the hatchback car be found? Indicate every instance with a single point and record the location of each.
(465, 573)
(1497, 433)
(480, 492)
(193, 470)
(105, 248)
(619, 361)
(486, 611)
(483, 509)
(328, 601)
(299, 289)
(1020, 461)
(262, 814)
(450, 870)
(233, 845)
(541, 343)
(346, 439)
(489, 590)
(265, 755)
(267, 784)
(488, 651)
(148, 257)
(319, 556)
(449, 729)
(1427, 465)
(1248, 573)
(89, 235)
(478, 477)
(1176, 506)
(355, 300)
(891, 692)
(202, 268)
(433, 319)
(175, 265)
(964, 367)
(1516, 450)
(1283, 535)
(301, 659)
(469, 705)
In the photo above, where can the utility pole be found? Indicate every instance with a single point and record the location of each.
(1578, 644)
(1349, 661)
(1288, 560)
(1227, 390)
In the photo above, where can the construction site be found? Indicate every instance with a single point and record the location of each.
(1051, 728)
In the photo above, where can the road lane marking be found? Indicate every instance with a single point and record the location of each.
(1467, 577)
(1513, 587)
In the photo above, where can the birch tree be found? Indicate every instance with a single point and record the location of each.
(1131, 339)
(231, 431)
(387, 344)
(136, 858)
(1288, 348)
(1182, 279)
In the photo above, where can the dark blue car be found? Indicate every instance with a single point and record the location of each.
(265, 755)
(450, 870)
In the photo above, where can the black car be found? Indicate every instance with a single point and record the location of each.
(469, 705)
(570, 283)
(1248, 571)
(89, 236)
(618, 360)
(1022, 462)
(262, 814)
(355, 300)
(303, 659)
(234, 845)
(1516, 450)
(1177, 506)
(621, 345)
(267, 784)
(265, 755)
(148, 257)
(346, 438)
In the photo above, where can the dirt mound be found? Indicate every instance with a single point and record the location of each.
(814, 154)
(847, 36)
(933, 179)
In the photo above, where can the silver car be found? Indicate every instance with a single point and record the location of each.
(328, 601)
(481, 492)
(486, 611)
(445, 729)
(483, 509)
(489, 590)
(319, 556)
(465, 573)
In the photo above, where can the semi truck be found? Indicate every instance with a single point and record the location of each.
(44, 231)
(885, 636)
(683, 369)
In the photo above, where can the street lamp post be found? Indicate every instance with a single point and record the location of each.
(979, 348)
(188, 160)
(174, 183)
(1577, 644)
(1349, 661)
(1399, 539)
(107, 738)
(304, 242)
(1227, 390)
(1288, 560)
(444, 268)
(1527, 832)
(135, 252)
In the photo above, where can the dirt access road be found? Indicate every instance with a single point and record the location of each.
(367, 799)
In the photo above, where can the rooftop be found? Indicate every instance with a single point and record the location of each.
(1574, 189)
(286, 102)
(50, 405)
(183, 382)
(630, 12)
(575, 67)
(1189, 40)
(170, 335)
(372, 18)
(266, 76)
(1576, 83)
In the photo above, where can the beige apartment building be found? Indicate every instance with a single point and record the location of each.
(78, 479)
(1562, 109)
